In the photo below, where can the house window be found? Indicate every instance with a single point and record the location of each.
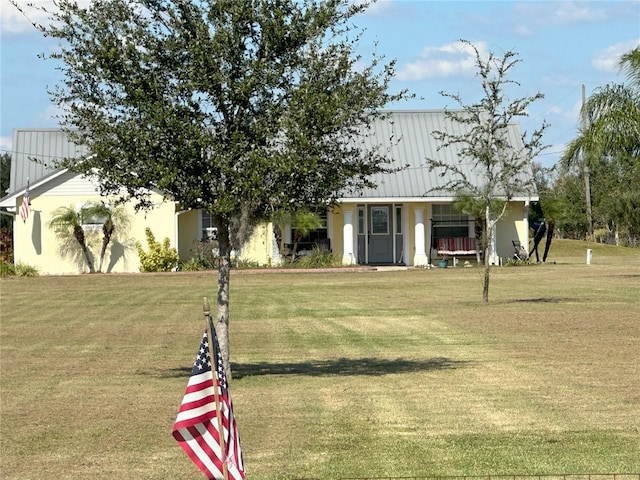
(317, 235)
(380, 220)
(209, 231)
(90, 219)
(398, 219)
(448, 222)
(361, 222)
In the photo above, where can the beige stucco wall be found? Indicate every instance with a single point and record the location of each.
(512, 226)
(35, 242)
(188, 233)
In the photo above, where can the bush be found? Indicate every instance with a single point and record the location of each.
(6, 244)
(161, 257)
(319, 258)
(19, 269)
(6, 268)
(24, 270)
(516, 262)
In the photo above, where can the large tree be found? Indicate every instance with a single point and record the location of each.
(241, 108)
(607, 151)
(499, 168)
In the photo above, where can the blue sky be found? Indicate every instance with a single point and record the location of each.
(561, 44)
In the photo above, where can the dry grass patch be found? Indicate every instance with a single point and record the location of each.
(336, 375)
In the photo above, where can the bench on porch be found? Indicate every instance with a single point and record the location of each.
(456, 246)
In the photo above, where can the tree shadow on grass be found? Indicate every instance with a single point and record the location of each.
(546, 300)
(345, 366)
(340, 366)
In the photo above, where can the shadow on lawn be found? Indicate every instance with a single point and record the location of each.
(345, 366)
(545, 300)
(340, 366)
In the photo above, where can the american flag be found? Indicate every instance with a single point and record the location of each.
(206, 427)
(24, 208)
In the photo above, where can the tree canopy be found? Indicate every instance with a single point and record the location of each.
(500, 167)
(606, 155)
(241, 108)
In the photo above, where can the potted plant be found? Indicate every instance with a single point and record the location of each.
(443, 262)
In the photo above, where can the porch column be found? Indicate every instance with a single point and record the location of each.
(525, 222)
(348, 258)
(420, 255)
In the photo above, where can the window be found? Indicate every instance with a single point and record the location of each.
(380, 220)
(91, 218)
(209, 230)
(448, 222)
(398, 220)
(316, 235)
(361, 229)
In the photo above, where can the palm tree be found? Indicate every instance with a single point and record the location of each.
(610, 128)
(630, 63)
(109, 217)
(66, 223)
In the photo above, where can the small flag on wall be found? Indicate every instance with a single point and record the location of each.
(206, 427)
(24, 208)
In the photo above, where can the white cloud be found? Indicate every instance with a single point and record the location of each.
(607, 60)
(442, 61)
(50, 116)
(528, 17)
(374, 8)
(20, 19)
(5, 144)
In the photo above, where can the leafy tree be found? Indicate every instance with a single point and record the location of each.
(66, 223)
(5, 175)
(608, 147)
(499, 168)
(241, 108)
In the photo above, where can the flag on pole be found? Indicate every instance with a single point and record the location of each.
(206, 427)
(24, 208)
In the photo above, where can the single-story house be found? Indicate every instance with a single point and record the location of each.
(405, 220)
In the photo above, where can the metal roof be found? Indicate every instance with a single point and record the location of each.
(408, 137)
(34, 153)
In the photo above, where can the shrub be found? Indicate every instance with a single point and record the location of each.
(319, 258)
(6, 244)
(24, 270)
(161, 257)
(516, 262)
(6, 268)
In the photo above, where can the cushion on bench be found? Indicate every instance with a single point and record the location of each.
(456, 246)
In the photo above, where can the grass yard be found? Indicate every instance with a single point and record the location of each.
(356, 374)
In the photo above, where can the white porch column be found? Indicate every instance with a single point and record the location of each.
(348, 258)
(420, 255)
(525, 222)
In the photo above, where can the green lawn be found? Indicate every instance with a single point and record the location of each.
(356, 374)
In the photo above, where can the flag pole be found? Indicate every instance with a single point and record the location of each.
(216, 397)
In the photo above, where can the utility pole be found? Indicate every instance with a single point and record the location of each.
(586, 172)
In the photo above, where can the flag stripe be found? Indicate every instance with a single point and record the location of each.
(24, 207)
(205, 426)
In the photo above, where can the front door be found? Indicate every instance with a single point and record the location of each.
(380, 234)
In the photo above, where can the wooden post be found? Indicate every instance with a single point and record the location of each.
(216, 383)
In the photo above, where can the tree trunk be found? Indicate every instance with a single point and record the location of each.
(551, 227)
(107, 232)
(487, 243)
(78, 233)
(224, 268)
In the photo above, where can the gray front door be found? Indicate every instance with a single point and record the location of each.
(380, 234)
